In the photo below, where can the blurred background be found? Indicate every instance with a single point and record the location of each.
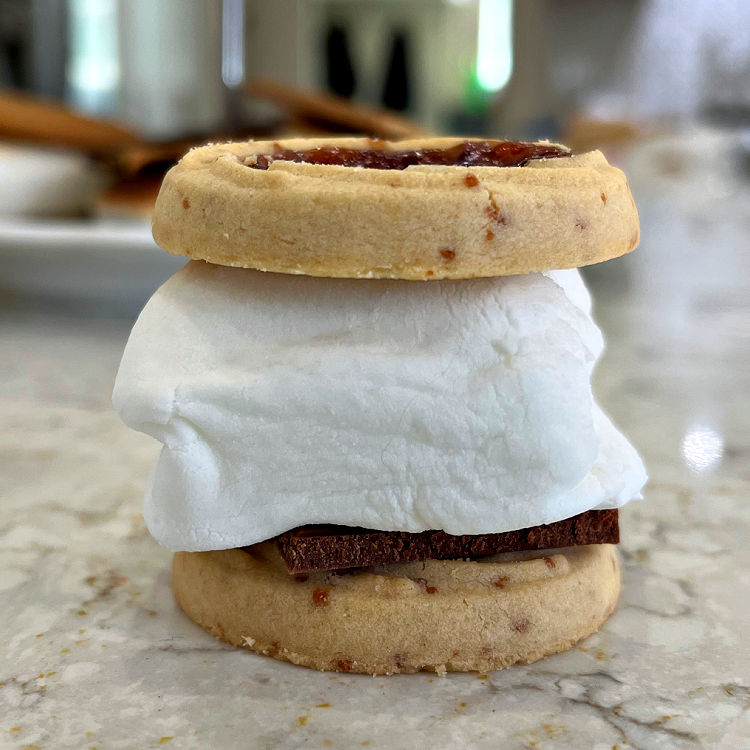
(99, 97)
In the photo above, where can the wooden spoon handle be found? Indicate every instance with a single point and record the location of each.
(32, 120)
(320, 106)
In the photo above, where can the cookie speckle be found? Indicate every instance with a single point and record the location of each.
(448, 254)
(521, 626)
(423, 582)
(490, 235)
(344, 665)
(549, 562)
(603, 196)
(321, 597)
(185, 203)
(581, 224)
(500, 582)
(471, 180)
(493, 212)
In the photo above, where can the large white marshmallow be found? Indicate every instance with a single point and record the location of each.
(288, 400)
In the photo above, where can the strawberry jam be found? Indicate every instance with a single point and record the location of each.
(466, 154)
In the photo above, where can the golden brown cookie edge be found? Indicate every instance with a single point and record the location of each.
(255, 604)
(421, 223)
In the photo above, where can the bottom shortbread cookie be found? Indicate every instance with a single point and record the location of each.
(434, 615)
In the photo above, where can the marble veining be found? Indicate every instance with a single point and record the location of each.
(94, 653)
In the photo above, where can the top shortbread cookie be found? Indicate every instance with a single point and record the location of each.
(283, 206)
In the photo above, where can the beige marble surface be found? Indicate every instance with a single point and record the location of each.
(94, 654)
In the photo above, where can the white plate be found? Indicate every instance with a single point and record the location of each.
(112, 266)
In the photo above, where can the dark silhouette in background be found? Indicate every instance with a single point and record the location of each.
(340, 76)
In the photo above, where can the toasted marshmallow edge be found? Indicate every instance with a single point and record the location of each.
(284, 400)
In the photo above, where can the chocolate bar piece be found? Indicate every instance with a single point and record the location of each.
(324, 547)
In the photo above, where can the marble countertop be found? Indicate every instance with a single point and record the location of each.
(95, 654)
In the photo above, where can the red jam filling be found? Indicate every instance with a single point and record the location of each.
(466, 154)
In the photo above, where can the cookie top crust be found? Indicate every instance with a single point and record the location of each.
(436, 210)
